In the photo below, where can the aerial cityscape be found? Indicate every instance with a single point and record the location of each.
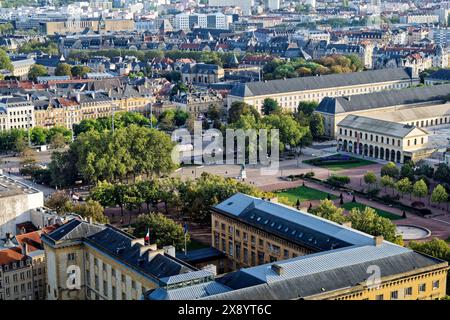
(216, 150)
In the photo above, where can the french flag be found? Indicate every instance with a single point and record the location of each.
(147, 236)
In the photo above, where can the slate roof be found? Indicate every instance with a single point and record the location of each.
(117, 244)
(394, 129)
(300, 227)
(200, 255)
(189, 293)
(320, 82)
(442, 74)
(317, 281)
(383, 99)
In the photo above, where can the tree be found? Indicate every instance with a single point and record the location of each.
(270, 106)
(63, 69)
(328, 210)
(370, 178)
(316, 125)
(439, 194)
(420, 189)
(5, 61)
(387, 181)
(36, 71)
(338, 181)
(79, 70)
(442, 173)
(91, 209)
(39, 135)
(290, 131)
(407, 171)
(237, 109)
(307, 107)
(370, 222)
(57, 141)
(163, 231)
(436, 248)
(404, 186)
(59, 201)
(391, 170)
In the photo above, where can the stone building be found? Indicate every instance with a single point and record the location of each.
(201, 73)
(290, 92)
(336, 263)
(382, 139)
(100, 262)
(16, 203)
(421, 107)
(95, 24)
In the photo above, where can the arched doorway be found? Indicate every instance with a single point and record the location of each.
(360, 148)
(399, 156)
(392, 155)
(376, 152)
(381, 153)
(344, 147)
(387, 154)
(355, 147)
(366, 150)
(370, 151)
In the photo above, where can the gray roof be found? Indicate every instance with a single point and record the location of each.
(189, 293)
(384, 99)
(442, 74)
(118, 245)
(393, 129)
(319, 82)
(320, 281)
(303, 228)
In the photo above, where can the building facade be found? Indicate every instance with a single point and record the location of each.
(99, 262)
(338, 268)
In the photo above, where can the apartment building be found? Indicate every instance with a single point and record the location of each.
(16, 113)
(290, 92)
(22, 267)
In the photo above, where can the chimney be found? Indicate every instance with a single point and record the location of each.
(90, 220)
(144, 249)
(24, 248)
(169, 250)
(278, 269)
(347, 224)
(154, 253)
(378, 240)
(141, 241)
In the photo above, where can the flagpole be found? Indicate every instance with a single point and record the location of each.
(185, 245)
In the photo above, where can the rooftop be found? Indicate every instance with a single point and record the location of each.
(319, 82)
(390, 128)
(10, 188)
(384, 99)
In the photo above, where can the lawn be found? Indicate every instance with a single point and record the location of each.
(304, 194)
(350, 205)
(341, 165)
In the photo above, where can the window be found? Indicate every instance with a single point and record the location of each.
(435, 284)
(408, 291)
(394, 295)
(422, 287)
(71, 256)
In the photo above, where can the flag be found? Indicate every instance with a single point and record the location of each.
(147, 236)
(185, 228)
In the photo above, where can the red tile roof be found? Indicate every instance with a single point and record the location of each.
(10, 255)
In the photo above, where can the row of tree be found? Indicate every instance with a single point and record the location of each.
(366, 220)
(279, 69)
(191, 198)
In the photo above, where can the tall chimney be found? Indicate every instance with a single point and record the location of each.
(278, 269)
(24, 248)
